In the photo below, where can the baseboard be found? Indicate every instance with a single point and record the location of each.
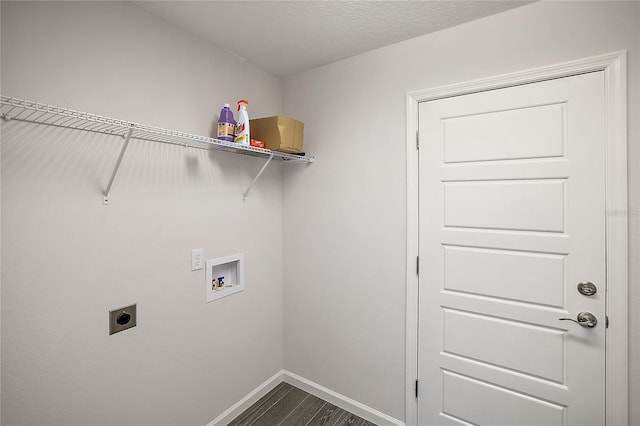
(355, 407)
(236, 409)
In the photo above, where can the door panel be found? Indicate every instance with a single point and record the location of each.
(505, 343)
(506, 274)
(524, 205)
(532, 132)
(501, 407)
(512, 211)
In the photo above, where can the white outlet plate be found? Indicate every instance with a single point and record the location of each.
(197, 260)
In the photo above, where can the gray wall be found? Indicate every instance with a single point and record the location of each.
(67, 259)
(345, 274)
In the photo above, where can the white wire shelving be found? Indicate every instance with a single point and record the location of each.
(34, 112)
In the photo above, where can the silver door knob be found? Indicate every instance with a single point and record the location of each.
(585, 319)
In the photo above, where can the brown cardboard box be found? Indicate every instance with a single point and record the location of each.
(279, 133)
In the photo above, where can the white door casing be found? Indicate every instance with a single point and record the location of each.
(531, 243)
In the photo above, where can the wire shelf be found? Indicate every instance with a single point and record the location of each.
(34, 112)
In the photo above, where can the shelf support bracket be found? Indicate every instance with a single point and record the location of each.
(105, 197)
(255, 179)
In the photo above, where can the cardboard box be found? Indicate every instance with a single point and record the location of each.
(279, 133)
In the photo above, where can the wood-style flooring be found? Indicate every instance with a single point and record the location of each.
(287, 405)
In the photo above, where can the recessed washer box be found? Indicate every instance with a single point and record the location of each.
(224, 276)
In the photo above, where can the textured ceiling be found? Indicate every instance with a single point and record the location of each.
(285, 37)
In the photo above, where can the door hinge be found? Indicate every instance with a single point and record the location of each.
(417, 265)
(606, 321)
(417, 140)
(416, 388)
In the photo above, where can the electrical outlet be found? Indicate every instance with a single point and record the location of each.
(197, 261)
(122, 319)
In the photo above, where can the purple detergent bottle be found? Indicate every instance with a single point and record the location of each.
(226, 125)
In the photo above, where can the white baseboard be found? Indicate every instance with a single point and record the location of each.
(355, 407)
(236, 409)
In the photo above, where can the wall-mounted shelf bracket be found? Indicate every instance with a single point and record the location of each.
(38, 113)
(255, 179)
(105, 197)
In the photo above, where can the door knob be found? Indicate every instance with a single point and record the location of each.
(585, 319)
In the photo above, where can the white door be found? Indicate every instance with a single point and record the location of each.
(512, 219)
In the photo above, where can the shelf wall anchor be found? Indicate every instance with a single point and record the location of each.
(105, 197)
(255, 179)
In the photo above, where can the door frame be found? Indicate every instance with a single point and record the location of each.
(614, 66)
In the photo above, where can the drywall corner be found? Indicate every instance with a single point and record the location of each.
(247, 401)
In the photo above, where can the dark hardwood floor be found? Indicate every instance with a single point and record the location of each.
(287, 405)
